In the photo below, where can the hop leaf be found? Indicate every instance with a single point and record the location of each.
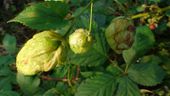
(80, 41)
(41, 53)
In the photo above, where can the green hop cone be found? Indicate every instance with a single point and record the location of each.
(119, 34)
(41, 53)
(80, 41)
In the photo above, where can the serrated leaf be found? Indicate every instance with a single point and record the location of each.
(103, 85)
(166, 64)
(8, 93)
(78, 11)
(167, 13)
(146, 74)
(88, 74)
(100, 44)
(60, 72)
(64, 30)
(5, 71)
(6, 82)
(62, 87)
(113, 70)
(6, 60)
(44, 15)
(127, 87)
(7, 78)
(9, 43)
(51, 92)
(91, 58)
(28, 84)
(144, 40)
(155, 1)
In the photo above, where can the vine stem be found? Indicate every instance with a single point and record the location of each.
(121, 6)
(147, 13)
(140, 15)
(166, 8)
(91, 16)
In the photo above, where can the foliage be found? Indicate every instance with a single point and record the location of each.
(140, 68)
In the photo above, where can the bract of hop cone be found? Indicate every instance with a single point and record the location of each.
(41, 53)
(119, 34)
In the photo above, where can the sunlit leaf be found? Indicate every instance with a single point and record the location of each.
(44, 15)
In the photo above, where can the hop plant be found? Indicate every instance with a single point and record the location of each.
(41, 53)
(80, 41)
(119, 34)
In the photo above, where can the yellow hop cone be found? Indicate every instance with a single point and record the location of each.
(80, 41)
(41, 53)
(119, 34)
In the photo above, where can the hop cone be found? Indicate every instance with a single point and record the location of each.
(41, 53)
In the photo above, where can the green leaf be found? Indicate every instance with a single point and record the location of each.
(5, 83)
(167, 13)
(146, 74)
(91, 58)
(44, 15)
(166, 64)
(6, 60)
(7, 78)
(88, 74)
(64, 30)
(60, 72)
(100, 44)
(144, 40)
(78, 11)
(113, 70)
(51, 92)
(155, 1)
(103, 85)
(127, 87)
(8, 93)
(62, 87)
(5, 71)
(9, 43)
(28, 84)
(55, 0)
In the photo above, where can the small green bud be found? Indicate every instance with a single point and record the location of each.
(80, 41)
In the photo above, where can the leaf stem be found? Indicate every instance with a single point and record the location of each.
(126, 68)
(91, 16)
(116, 65)
(68, 76)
